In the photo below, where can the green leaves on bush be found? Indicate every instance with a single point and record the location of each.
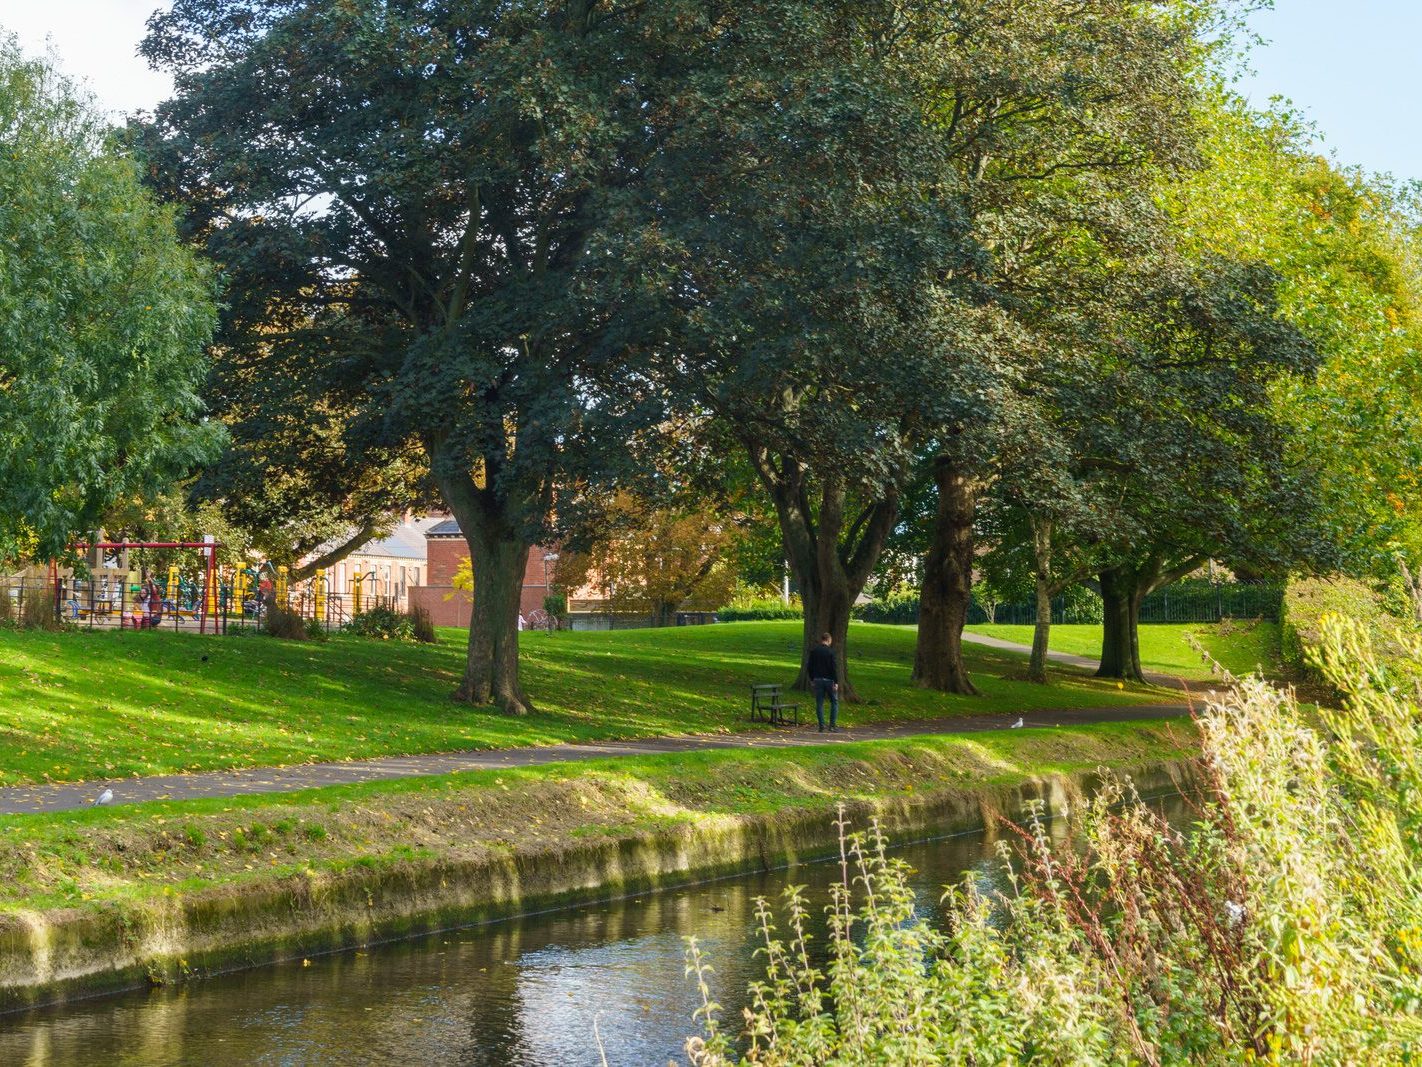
(759, 609)
(387, 624)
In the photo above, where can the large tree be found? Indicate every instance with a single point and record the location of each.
(1059, 117)
(811, 231)
(104, 319)
(410, 201)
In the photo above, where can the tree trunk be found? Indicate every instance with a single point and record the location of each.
(1120, 644)
(491, 666)
(829, 563)
(1042, 632)
(947, 589)
(828, 612)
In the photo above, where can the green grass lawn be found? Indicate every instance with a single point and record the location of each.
(1241, 648)
(94, 856)
(80, 706)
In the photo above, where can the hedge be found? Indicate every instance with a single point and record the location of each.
(1307, 600)
(760, 610)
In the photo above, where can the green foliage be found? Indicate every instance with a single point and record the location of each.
(556, 605)
(749, 607)
(899, 607)
(382, 623)
(1343, 247)
(104, 319)
(1284, 925)
(1308, 602)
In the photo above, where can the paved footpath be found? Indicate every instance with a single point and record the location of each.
(19, 800)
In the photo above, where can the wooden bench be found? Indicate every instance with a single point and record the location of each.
(767, 705)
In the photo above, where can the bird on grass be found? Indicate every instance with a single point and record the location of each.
(106, 797)
(1017, 725)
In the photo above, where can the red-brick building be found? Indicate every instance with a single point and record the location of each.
(445, 550)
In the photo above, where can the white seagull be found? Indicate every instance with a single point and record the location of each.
(1017, 725)
(106, 797)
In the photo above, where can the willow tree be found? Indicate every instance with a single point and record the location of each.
(104, 319)
(410, 202)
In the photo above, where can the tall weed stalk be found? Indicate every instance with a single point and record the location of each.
(1284, 925)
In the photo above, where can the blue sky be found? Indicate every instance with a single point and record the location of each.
(1354, 66)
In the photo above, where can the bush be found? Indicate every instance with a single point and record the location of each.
(282, 622)
(7, 606)
(899, 608)
(383, 623)
(759, 609)
(1282, 926)
(387, 624)
(422, 626)
(37, 610)
(556, 605)
(1308, 601)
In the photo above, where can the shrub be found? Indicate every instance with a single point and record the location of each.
(899, 607)
(387, 624)
(1308, 601)
(383, 623)
(1284, 925)
(37, 610)
(7, 606)
(556, 605)
(284, 623)
(760, 609)
(422, 626)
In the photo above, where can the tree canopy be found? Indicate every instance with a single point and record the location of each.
(104, 319)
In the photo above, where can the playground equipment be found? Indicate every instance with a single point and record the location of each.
(116, 591)
(121, 587)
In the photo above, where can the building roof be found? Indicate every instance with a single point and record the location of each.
(444, 528)
(406, 541)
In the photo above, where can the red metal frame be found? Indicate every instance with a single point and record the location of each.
(209, 547)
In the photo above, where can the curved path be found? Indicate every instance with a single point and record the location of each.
(30, 799)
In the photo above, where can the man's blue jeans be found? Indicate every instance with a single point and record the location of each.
(824, 688)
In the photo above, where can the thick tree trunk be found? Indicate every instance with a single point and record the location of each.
(828, 612)
(947, 588)
(1120, 643)
(491, 666)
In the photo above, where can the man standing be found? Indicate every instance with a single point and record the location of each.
(823, 675)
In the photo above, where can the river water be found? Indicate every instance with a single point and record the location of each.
(524, 991)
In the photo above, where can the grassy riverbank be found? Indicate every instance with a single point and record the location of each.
(82, 706)
(103, 854)
(1241, 647)
(103, 900)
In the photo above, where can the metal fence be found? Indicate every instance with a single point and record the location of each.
(588, 620)
(228, 603)
(1186, 602)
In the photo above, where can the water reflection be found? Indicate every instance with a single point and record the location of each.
(523, 992)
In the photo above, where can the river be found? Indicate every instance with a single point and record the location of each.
(519, 992)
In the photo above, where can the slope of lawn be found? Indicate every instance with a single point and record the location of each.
(95, 705)
(1240, 647)
(94, 856)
